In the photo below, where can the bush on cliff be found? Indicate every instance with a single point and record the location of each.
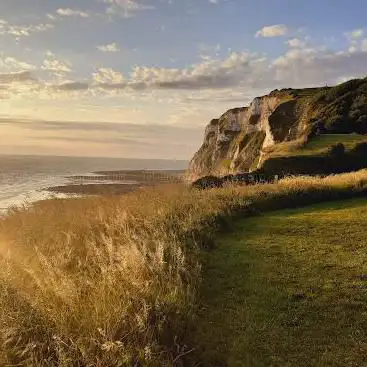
(337, 149)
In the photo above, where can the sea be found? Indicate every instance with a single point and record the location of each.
(25, 179)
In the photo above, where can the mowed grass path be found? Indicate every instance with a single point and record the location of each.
(288, 288)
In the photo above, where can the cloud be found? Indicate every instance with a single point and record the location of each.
(112, 47)
(210, 74)
(12, 64)
(129, 130)
(119, 139)
(296, 43)
(125, 8)
(67, 12)
(355, 34)
(238, 75)
(18, 77)
(312, 66)
(273, 31)
(55, 66)
(240, 71)
(107, 76)
(98, 139)
(72, 86)
(19, 31)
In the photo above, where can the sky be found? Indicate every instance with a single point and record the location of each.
(142, 78)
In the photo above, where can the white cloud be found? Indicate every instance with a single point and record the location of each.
(17, 77)
(211, 73)
(355, 34)
(296, 43)
(112, 47)
(273, 31)
(125, 8)
(19, 31)
(316, 66)
(12, 64)
(237, 73)
(51, 17)
(55, 66)
(107, 75)
(67, 12)
(207, 51)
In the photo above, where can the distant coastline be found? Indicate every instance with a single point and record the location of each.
(117, 182)
(27, 179)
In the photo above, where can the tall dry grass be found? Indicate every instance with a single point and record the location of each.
(113, 281)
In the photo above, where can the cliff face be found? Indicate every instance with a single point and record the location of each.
(240, 140)
(235, 141)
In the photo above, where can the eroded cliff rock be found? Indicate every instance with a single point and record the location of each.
(240, 140)
(235, 141)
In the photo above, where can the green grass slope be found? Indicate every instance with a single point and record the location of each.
(322, 143)
(319, 156)
(289, 288)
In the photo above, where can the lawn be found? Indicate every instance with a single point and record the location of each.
(288, 288)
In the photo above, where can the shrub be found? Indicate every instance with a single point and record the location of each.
(337, 149)
(360, 148)
(362, 124)
(207, 182)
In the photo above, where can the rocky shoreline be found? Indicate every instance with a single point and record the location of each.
(116, 182)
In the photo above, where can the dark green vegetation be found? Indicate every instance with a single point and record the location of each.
(322, 143)
(324, 154)
(342, 109)
(288, 288)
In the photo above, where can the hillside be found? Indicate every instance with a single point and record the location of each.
(283, 124)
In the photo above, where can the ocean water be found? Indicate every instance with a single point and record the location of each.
(24, 179)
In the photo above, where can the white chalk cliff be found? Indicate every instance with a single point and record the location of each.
(235, 142)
